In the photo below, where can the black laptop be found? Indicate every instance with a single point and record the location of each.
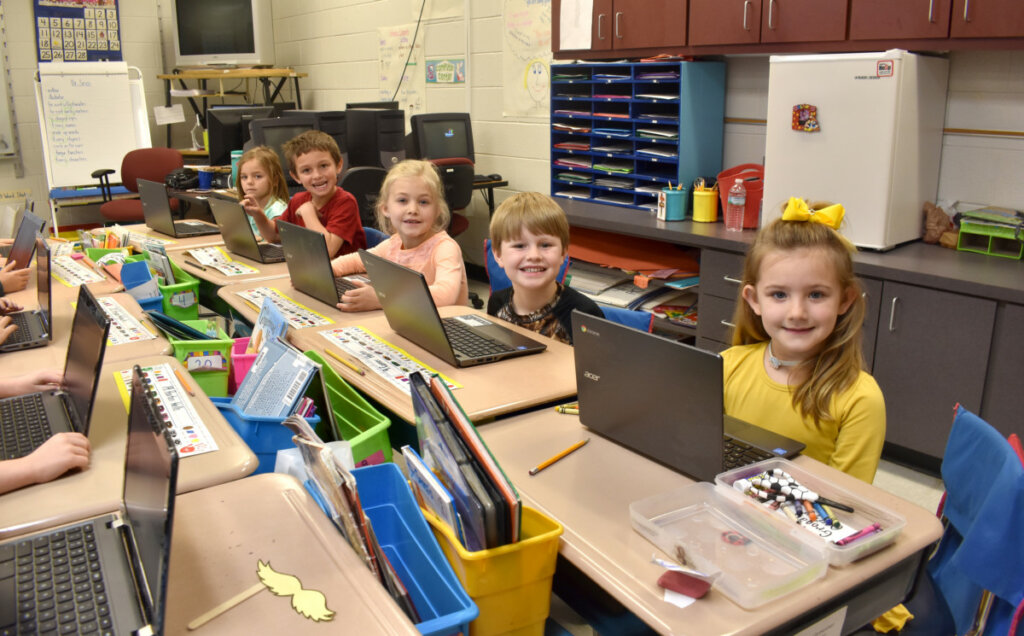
(309, 264)
(30, 228)
(461, 341)
(664, 400)
(35, 328)
(238, 235)
(107, 575)
(26, 421)
(156, 208)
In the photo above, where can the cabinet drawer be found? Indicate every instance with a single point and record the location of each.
(712, 315)
(711, 345)
(720, 274)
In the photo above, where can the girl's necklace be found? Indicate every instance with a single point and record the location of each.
(776, 363)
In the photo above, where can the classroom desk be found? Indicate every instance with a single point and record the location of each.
(488, 390)
(487, 191)
(229, 294)
(173, 243)
(218, 279)
(63, 315)
(97, 490)
(220, 534)
(589, 493)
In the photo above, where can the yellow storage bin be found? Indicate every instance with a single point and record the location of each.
(511, 585)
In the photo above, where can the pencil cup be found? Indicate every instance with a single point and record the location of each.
(205, 178)
(671, 204)
(705, 206)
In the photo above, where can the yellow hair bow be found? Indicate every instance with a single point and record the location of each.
(797, 210)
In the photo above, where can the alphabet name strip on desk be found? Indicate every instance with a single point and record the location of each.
(124, 327)
(382, 358)
(298, 316)
(218, 259)
(71, 273)
(191, 436)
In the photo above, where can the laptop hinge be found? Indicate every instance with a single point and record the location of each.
(138, 577)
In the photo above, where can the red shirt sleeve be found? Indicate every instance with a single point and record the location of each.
(341, 218)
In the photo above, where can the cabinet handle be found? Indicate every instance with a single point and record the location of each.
(746, 5)
(618, 24)
(771, 14)
(728, 324)
(892, 314)
(600, 26)
(730, 279)
(967, 5)
(931, 10)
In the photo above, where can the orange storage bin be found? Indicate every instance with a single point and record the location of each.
(753, 180)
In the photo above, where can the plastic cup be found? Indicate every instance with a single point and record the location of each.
(236, 155)
(205, 178)
(671, 204)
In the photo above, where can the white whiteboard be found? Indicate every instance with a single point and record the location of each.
(89, 119)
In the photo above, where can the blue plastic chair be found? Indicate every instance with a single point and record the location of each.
(373, 236)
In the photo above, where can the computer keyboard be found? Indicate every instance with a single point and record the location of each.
(271, 250)
(57, 585)
(736, 453)
(23, 332)
(23, 425)
(343, 285)
(469, 343)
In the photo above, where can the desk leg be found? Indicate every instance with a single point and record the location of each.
(298, 95)
(488, 195)
(167, 103)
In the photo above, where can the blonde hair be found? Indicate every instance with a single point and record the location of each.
(413, 168)
(838, 364)
(308, 142)
(267, 158)
(535, 212)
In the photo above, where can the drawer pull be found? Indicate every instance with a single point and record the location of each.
(726, 323)
(618, 25)
(600, 26)
(730, 279)
(746, 5)
(931, 10)
(771, 14)
(892, 314)
(967, 5)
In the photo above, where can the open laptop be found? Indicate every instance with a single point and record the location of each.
(30, 228)
(461, 341)
(156, 208)
(34, 326)
(309, 264)
(663, 399)
(106, 575)
(26, 421)
(238, 235)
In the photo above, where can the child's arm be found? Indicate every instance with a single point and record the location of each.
(307, 212)
(265, 225)
(861, 431)
(449, 272)
(348, 264)
(56, 456)
(8, 306)
(363, 298)
(41, 380)
(12, 280)
(6, 328)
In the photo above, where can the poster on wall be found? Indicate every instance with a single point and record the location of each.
(401, 71)
(526, 58)
(78, 31)
(446, 71)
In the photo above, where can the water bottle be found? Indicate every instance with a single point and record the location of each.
(735, 205)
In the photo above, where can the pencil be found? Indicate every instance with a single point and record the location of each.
(184, 384)
(544, 464)
(193, 264)
(345, 362)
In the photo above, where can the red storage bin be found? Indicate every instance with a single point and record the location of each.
(753, 180)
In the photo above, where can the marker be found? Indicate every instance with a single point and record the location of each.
(547, 462)
(873, 528)
(184, 384)
(345, 362)
(834, 504)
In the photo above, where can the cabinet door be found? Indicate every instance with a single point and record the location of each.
(724, 22)
(987, 19)
(803, 20)
(931, 352)
(600, 29)
(905, 20)
(1003, 404)
(642, 24)
(873, 299)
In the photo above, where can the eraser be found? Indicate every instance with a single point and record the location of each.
(77, 256)
(684, 584)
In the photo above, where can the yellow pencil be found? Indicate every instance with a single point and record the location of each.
(544, 464)
(345, 362)
(184, 384)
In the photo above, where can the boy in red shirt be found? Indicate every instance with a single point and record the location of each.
(314, 160)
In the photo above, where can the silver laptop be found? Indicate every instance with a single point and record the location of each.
(106, 575)
(461, 341)
(309, 264)
(156, 208)
(29, 229)
(26, 421)
(663, 399)
(238, 235)
(34, 326)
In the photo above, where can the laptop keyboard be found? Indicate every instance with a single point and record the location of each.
(270, 250)
(23, 425)
(736, 453)
(184, 229)
(23, 333)
(343, 285)
(58, 583)
(471, 344)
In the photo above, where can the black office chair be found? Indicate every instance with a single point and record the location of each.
(364, 183)
(457, 179)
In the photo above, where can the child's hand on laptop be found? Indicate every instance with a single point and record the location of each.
(41, 380)
(13, 279)
(8, 306)
(362, 299)
(57, 455)
(6, 328)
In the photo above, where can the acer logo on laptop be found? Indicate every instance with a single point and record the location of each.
(591, 376)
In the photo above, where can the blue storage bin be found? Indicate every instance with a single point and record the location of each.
(264, 435)
(155, 303)
(442, 602)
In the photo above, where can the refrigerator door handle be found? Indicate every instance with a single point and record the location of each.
(892, 314)
(771, 14)
(746, 6)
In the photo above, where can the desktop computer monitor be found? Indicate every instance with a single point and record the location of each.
(383, 105)
(441, 136)
(332, 122)
(273, 133)
(228, 129)
(376, 137)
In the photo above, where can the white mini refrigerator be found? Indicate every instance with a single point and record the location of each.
(861, 129)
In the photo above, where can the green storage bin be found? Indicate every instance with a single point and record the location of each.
(181, 300)
(213, 383)
(358, 423)
(96, 253)
(994, 240)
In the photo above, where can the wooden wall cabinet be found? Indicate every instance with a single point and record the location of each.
(905, 20)
(987, 19)
(765, 21)
(630, 24)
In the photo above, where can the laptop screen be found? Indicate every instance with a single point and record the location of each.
(85, 355)
(25, 240)
(155, 207)
(43, 284)
(150, 478)
(235, 228)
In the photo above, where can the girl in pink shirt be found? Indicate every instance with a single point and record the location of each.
(411, 207)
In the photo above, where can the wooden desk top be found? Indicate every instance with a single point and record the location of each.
(232, 73)
(589, 493)
(218, 279)
(97, 490)
(229, 293)
(176, 243)
(220, 534)
(488, 390)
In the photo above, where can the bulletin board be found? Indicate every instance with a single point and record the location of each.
(77, 31)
